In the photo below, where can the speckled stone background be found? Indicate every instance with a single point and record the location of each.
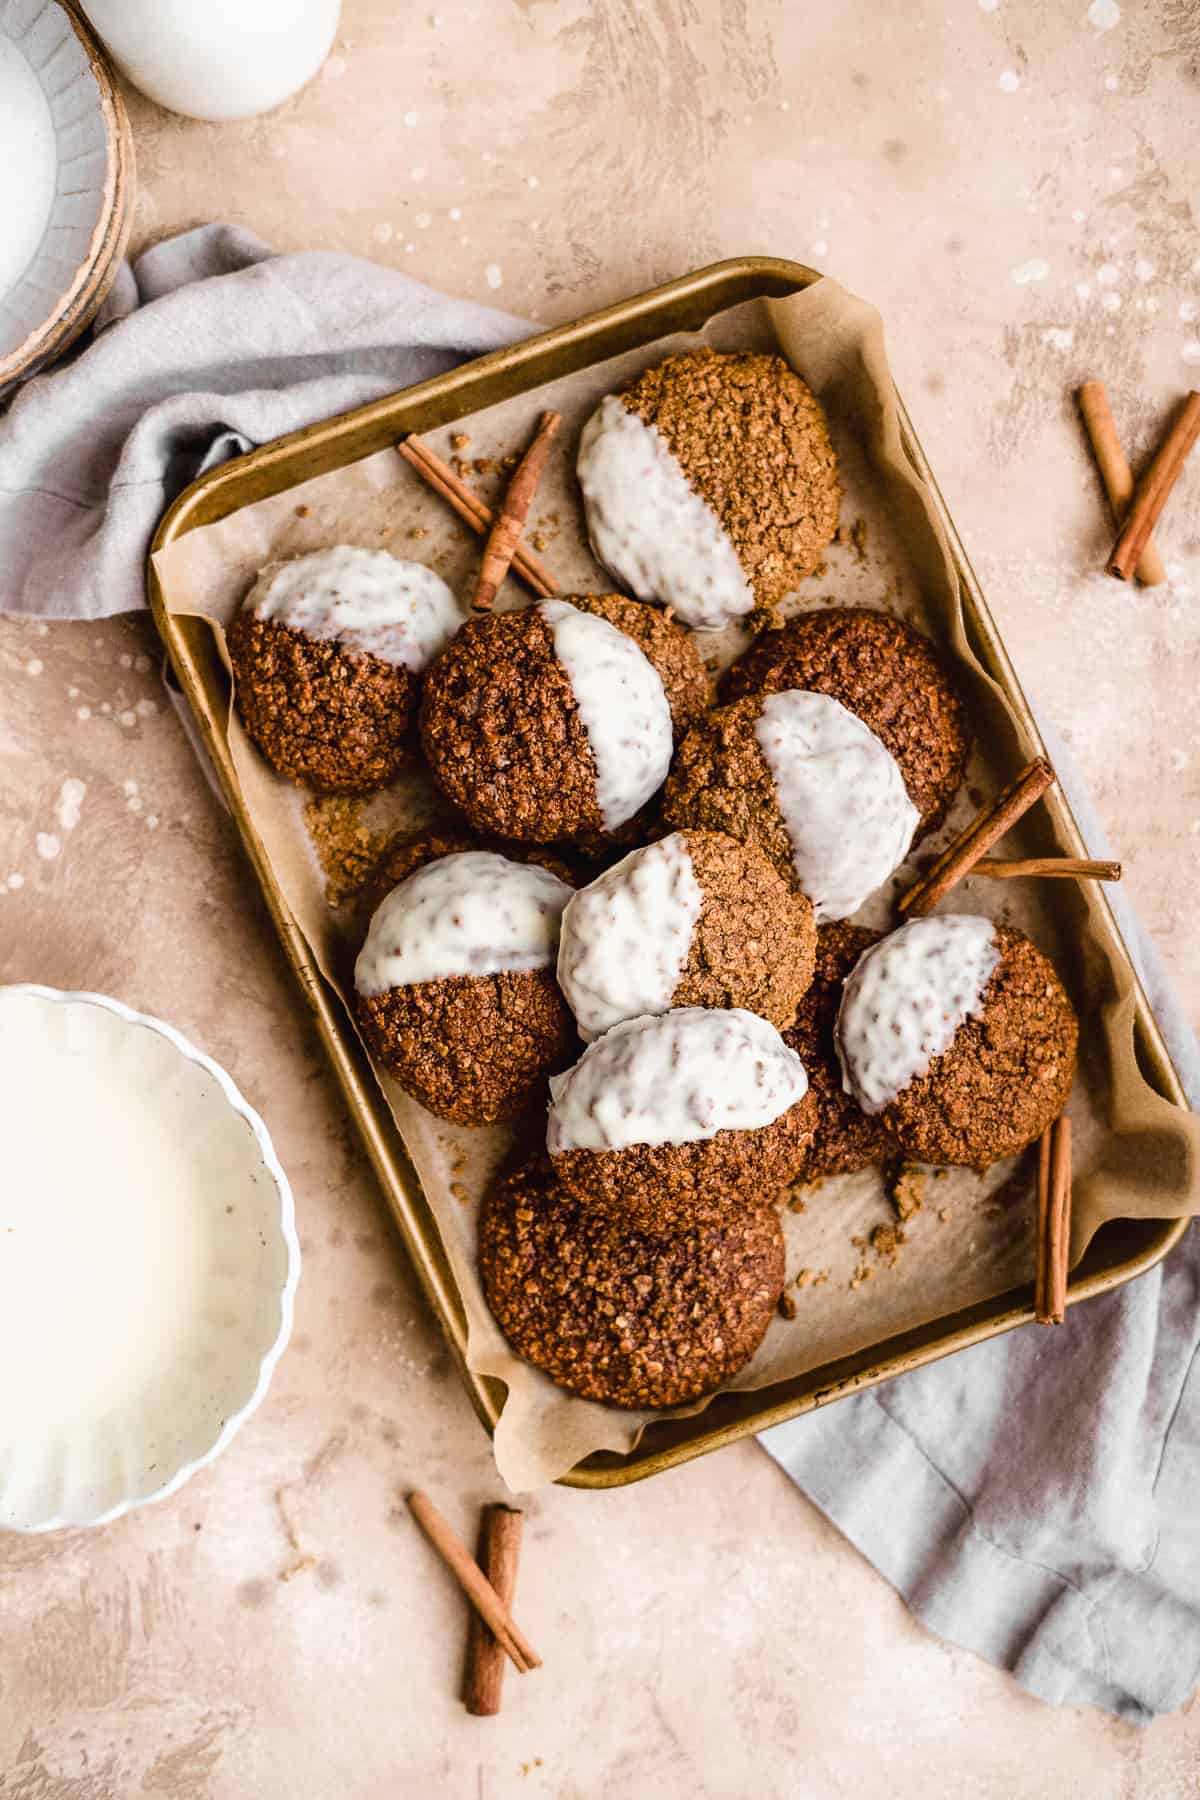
(1013, 182)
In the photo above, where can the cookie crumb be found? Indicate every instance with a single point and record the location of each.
(886, 1241)
(460, 440)
(797, 1204)
(861, 1276)
(853, 538)
(417, 532)
(787, 1307)
(905, 1184)
(302, 512)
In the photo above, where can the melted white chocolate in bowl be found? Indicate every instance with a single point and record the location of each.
(147, 1259)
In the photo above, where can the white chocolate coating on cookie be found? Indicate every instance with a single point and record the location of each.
(622, 703)
(626, 937)
(661, 539)
(677, 1078)
(364, 600)
(841, 795)
(473, 913)
(904, 1000)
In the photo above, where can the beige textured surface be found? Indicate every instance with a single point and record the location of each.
(280, 1628)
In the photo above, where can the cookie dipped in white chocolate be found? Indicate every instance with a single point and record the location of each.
(841, 796)
(904, 1000)
(678, 1078)
(366, 601)
(473, 913)
(623, 706)
(625, 938)
(646, 522)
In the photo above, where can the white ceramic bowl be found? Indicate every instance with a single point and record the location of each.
(148, 1259)
(75, 263)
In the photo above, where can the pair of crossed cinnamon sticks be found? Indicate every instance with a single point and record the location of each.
(967, 854)
(503, 549)
(495, 1635)
(1137, 512)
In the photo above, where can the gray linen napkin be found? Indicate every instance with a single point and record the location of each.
(1035, 1498)
(208, 344)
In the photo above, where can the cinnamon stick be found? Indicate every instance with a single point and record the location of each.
(1115, 471)
(474, 1583)
(1083, 867)
(499, 1553)
(473, 511)
(1154, 489)
(960, 857)
(1042, 1224)
(1054, 1222)
(506, 531)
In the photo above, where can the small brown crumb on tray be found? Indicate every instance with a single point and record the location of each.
(787, 1307)
(459, 440)
(886, 1241)
(806, 1278)
(905, 1184)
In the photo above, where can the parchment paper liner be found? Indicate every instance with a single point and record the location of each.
(1135, 1153)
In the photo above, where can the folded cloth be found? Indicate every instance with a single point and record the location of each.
(208, 345)
(1033, 1498)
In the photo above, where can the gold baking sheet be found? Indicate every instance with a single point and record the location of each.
(844, 1337)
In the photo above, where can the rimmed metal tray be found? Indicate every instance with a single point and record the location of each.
(1120, 1250)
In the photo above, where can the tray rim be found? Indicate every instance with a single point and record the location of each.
(279, 465)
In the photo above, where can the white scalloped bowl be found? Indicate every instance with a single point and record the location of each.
(60, 88)
(148, 1259)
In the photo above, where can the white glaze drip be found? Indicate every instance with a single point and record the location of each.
(474, 913)
(625, 939)
(623, 706)
(678, 1078)
(904, 1000)
(841, 795)
(365, 600)
(647, 524)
